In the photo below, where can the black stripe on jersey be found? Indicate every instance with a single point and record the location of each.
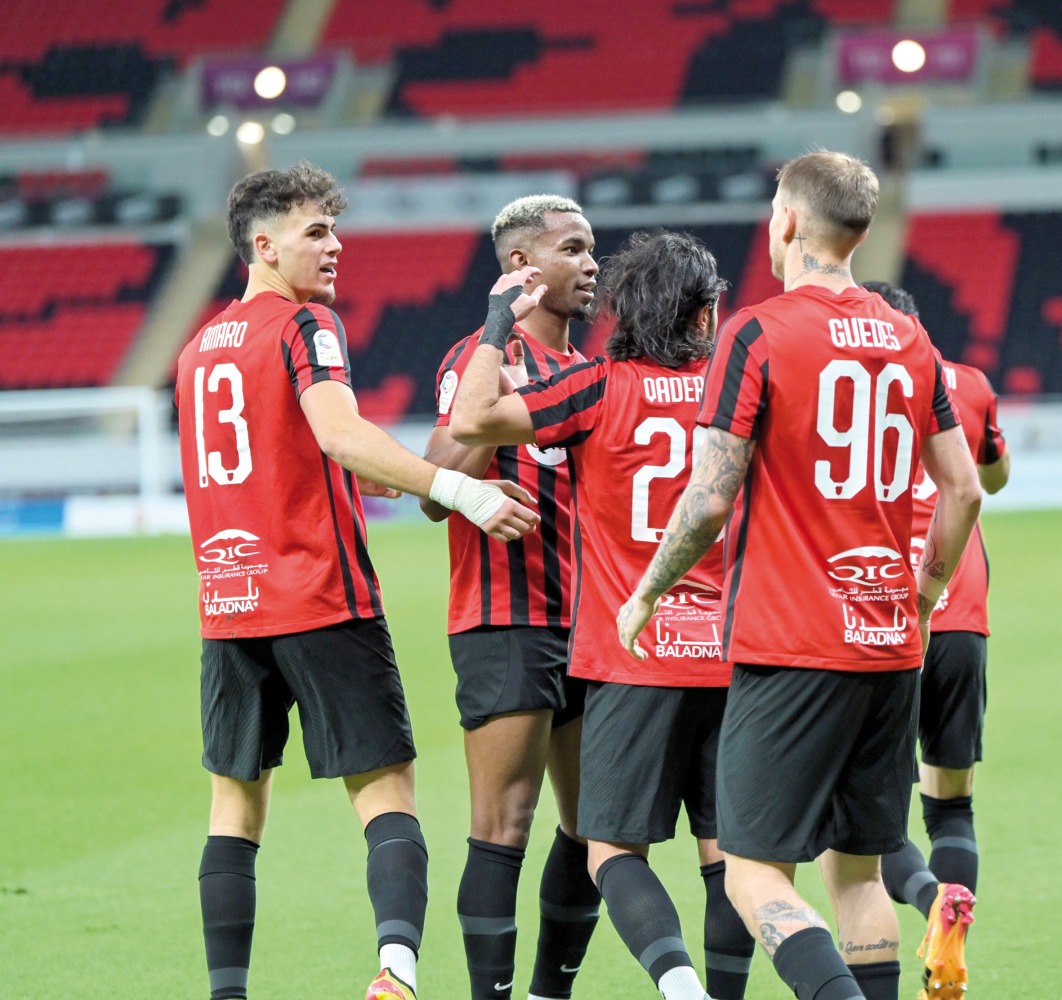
(344, 566)
(519, 601)
(285, 350)
(552, 585)
(451, 359)
(738, 560)
(941, 403)
(984, 551)
(586, 397)
(361, 547)
(992, 453)
(734, 373)
(308, 326)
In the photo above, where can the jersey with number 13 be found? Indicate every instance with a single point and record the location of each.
(839, 392)
(278, 529)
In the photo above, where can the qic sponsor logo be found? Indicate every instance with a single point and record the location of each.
(228, 547)
(867, 566)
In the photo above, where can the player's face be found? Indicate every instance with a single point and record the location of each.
(564, 254)
(307, 249)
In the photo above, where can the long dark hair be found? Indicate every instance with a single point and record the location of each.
(655, 285)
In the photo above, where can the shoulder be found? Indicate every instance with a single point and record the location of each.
(456, 359)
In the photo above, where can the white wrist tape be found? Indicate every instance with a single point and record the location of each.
(476, 500)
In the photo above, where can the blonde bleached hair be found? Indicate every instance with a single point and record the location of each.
(524, 220)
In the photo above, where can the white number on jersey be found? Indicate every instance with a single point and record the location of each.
(210, 466)
(870, 397)
(675, 465)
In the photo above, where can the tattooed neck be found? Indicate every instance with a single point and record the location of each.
(813, 264)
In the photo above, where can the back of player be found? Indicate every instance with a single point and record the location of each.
(839, 392)
(630, 428)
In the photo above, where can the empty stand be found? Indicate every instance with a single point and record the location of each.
(69, 314)
(70, 65)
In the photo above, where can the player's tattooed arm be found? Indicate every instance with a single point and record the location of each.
(717, 476)
(780, 919)
(695, 524)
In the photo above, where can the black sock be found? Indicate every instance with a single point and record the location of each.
(396, 871)
(728, 946)
(950, 825)
(643, 914)
(908, 879)
(878, 980)
(227, 899)
(568, 905)
(486, 909)
(809, 963)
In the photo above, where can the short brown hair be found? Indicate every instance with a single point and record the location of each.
(839, 192)
(267, 195)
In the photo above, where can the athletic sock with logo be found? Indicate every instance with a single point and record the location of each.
(397, 875)
(486, 909)
(908, 879)
(569, 904)
(950, 825)
(728, 946)
(644, 916)
(227, 899)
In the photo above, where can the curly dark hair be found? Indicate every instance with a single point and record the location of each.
(898, 298)
(268, 194)
(655, 285)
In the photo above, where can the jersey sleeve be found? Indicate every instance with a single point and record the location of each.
(565, 407)
(315, 347)
(992, 443)
(735, 389)
(449, 376)
(943, 415)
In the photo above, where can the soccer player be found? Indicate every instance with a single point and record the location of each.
(650, 733)
(953, 682)
(509, 619)
(273, 452)
(818, 404)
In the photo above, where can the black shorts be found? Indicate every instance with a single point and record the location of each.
(645, 752)
(951, 719)
(514, 668)
(816, 759)
(344, 680)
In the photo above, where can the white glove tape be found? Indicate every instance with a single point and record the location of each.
(478, 501)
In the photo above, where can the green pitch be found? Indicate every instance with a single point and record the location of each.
(104, 802)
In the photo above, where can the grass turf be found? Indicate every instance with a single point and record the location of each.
(105, 802)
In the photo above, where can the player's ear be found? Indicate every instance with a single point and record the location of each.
(517, 258)
(264, 247)
(792, 224)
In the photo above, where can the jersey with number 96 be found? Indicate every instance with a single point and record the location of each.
(630, 430)
(839, 392)
(278, 530)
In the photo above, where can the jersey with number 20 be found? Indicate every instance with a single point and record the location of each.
(630, 429)
(278, 529)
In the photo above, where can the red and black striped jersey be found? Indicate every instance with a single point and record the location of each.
(278, 529)
(630, 428)
(839, 392)
(963, 607)
(527, 581)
